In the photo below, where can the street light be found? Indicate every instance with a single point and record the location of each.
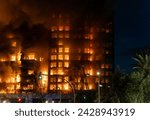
(98, 86)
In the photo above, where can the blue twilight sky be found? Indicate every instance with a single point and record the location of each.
(132, 30)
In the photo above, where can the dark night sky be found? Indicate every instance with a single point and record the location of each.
(132, 24)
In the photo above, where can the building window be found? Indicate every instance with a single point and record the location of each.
(31, 56)
(89, 36)
(14, 44)
(66, 86)
(67, 28)
(66, 64)
(91, 51)
(91, 45)
(53, 64)
(67, 35)
(90, 58)
(90, 86)
(30, 72)
(59, 79)
(41, 59)
(54, 35)
(61, 28)
(102, 66)
(66, 78)
(53, 79)
(107, 73)
(60, 64)
(13, 58)
(86, 50)
(53, 71)
(60, 71)
(53, 57)
(54, 50)
(60, 43)
(107, 66)
(2, 59)
(60, 50)
(66, 50)
(61, 35)
(66, 57)
(60, 57)
(54, 28)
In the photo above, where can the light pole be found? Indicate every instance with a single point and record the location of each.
(59, 94)
(98, 86)
(72, 87)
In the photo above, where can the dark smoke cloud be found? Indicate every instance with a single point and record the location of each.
(38, 11)
(17, 11)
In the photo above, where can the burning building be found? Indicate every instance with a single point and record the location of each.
(74, 51)
(10, 62)
(78, 52)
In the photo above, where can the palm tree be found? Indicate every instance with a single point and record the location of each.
(143, 63)
(142, 70)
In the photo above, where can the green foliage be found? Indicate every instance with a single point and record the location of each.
(134, 87)
(139, 88)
